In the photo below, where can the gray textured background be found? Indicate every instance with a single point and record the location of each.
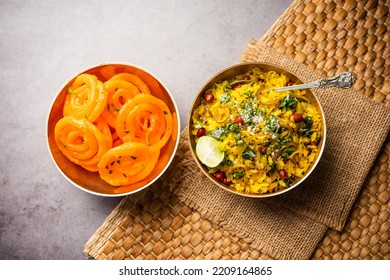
(44, 43)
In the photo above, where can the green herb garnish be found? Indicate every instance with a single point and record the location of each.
(306, 129)
(272, 124)
(289, 102)
(238, 175)
(248, 153)
(218, 133)
(224, 98)
(288, 151)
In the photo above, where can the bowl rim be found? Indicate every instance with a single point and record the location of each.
(202, 168)
(174, 151)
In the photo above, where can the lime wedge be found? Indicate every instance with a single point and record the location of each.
(209, 151)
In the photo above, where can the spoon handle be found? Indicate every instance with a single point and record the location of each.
(343, 80)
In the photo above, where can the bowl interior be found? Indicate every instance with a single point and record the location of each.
(229, 73)
(90, 181)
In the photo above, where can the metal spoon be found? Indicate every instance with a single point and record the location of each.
(343, 80)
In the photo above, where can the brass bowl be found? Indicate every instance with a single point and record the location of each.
(228, 74)
(90, 181)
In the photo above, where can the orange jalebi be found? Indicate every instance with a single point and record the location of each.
(86, 98)
(145, 119)
(134, 79)
(118, 93)
(82, 142)
(127, 163)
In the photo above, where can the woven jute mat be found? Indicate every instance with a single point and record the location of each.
(326, 36)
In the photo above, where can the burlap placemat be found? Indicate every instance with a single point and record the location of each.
(290, 225)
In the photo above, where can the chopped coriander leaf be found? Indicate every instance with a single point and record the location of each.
(224, 98)
(273, 166)
(248, 153)
(198, 124)
(288, 181)
(272, 124)
(263, 111)
(218, 133)
(226, 86)
(165, 112)
(289, 102)
(240, 142)
(238, 175)
(133, 157)
(247, 112)
(126, 131)
(233, 127)
(70, 91)
(288, 151)
(306, 129)
(227, 161)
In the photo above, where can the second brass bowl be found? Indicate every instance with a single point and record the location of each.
(228, 74)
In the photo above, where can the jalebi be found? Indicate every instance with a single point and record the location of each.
(127, 163)
(86, 98)
(82, 142)
(145, 119)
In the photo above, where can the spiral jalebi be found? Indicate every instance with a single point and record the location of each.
(81, 141)
(145, 119)
(118, 93)
(127, 163)
(86, 98)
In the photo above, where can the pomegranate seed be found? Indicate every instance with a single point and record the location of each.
(297, 117)
(201, 131)
(219, 175)
(283, 174)
(209, 97)
(239, 120)
(290, 83)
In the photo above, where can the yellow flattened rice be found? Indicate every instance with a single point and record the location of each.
(269, 139)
